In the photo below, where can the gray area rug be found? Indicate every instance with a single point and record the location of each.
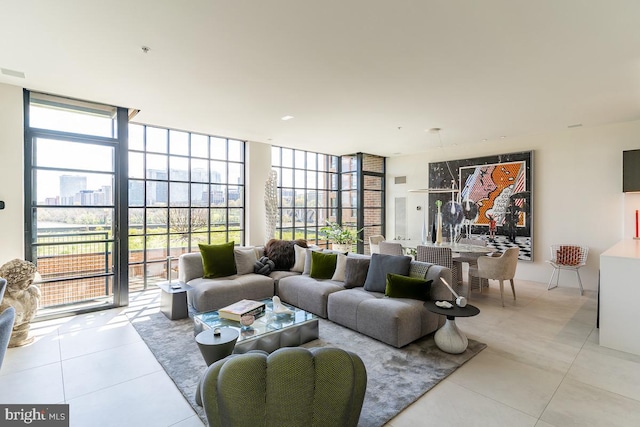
(406, 373)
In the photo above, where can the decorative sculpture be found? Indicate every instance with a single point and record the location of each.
(439, 222)
(271, 204)
(22, 295)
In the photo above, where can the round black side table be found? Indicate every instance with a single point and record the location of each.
(449, 338)
(215, 347)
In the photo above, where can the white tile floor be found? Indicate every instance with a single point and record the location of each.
(543, 367)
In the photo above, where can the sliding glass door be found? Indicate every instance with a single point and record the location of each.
(74, 198)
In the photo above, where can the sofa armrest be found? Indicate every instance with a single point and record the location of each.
(440, 291)
(426, 270)
(190, 267)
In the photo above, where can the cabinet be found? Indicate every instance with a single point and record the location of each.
(620, 297)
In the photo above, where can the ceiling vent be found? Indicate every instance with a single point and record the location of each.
(400, 180)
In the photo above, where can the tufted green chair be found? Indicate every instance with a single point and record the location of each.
(292, 386)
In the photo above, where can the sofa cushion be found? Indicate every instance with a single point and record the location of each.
(355, 272)
(281, 252)
(212, 294)
(380, 266)
(407, 287)
(323, 265)
(245, 260)
(341, 267)
(307, 293)
(217, 260)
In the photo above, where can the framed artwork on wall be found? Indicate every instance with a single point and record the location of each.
(487, 198)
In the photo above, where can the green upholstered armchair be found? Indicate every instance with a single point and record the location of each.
(292, 386)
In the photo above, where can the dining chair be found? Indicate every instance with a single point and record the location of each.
(439, 255)
(567, 257)
(389, 248)
(374, 243)
(498, 268)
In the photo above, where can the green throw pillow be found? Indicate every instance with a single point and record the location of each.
(407, 287)
(323, 265)
(217, 260)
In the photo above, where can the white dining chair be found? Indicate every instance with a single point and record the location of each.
(389, 248)
(374, 243)
(498, 268)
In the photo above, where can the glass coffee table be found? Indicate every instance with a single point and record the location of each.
(269, 332)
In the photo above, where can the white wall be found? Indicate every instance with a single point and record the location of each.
(258, 168)
(11, 176)
(577, 191)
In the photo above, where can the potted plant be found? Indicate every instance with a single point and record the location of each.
(342, 239)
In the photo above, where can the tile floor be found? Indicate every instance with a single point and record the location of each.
(543, 367)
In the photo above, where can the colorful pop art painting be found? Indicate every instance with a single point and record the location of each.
(492, 192)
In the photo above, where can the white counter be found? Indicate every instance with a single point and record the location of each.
(620, 297)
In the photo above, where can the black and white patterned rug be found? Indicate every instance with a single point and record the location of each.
(405, 374)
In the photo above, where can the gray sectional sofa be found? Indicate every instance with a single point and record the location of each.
(395, 321)
(212, 294)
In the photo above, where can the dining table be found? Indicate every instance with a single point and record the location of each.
(456, 249)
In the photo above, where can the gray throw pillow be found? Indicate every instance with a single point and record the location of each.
(356, 272)
(245, 260)
(380, 266)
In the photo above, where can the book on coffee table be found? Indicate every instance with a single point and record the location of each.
(237, 310)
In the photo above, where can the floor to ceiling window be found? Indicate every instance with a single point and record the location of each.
(73, 198)
(362, 193)
(184, 189)
(315, 188)
(307, 193)
(372, 197)
(108, 202)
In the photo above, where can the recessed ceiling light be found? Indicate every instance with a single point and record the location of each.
(485, 140)
(285, 118)
(577, 125)
(434, 130)
(12, 73)
(502, 137)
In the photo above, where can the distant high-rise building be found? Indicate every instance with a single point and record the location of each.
(70, 185)
(107, 190)
(136, 194)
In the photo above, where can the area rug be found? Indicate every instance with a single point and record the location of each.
(406, 373)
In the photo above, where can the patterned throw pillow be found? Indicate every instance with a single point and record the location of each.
(568, 255)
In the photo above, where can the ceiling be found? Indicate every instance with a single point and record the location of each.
(357, 75)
